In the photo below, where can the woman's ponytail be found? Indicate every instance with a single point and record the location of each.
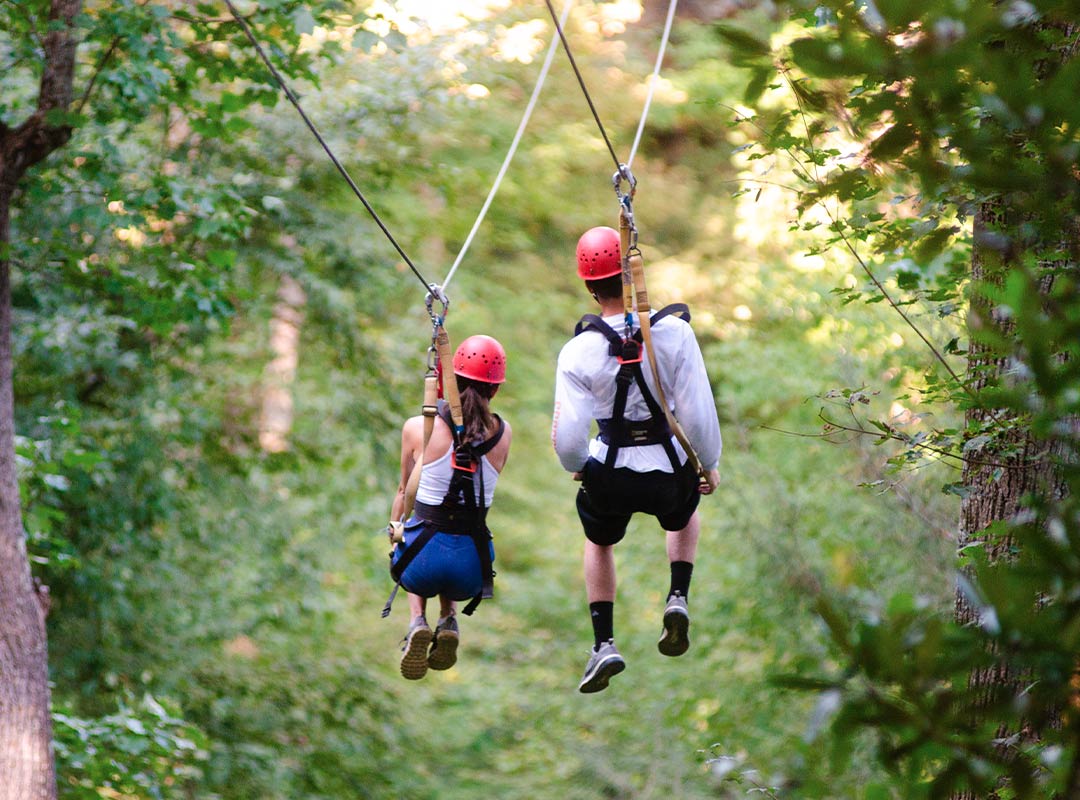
(475, 412)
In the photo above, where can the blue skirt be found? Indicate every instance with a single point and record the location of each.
(447, 565)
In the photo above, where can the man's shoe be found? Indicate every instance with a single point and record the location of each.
(443, 654)
(674, 640)
(604, 664)
(414, 663)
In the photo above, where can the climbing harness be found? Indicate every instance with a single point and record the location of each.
(617, 431)
(463, 511)
(479, 358)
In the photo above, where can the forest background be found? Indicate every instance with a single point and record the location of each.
(215, 577)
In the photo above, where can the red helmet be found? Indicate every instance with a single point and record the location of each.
(482, 359)
(598, 254)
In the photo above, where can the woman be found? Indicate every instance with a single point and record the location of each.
(447, 549)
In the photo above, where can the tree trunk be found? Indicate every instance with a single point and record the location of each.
(276, 421)
(26, 758)
(27, 770)
(1029, 466)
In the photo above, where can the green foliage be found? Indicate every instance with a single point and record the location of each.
(903, 121)
(184, 558)
(143, 749)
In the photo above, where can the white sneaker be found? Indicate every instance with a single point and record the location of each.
(604, 664)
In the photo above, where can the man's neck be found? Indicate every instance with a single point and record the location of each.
(611, 306)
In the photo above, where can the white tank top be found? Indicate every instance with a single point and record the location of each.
(435, 480)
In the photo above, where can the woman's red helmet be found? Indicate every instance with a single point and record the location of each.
(598, 254)
(481, 358)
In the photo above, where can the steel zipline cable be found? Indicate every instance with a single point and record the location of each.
(513, 146)
(581, 83)
(315, 132)
(436, 289)
(619, 166)
(653, 81)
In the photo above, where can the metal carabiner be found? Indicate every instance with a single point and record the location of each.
(624, 174)
(628, 213)
(435, 292)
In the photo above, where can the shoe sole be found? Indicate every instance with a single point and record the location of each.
(601, 674)
(414, 660)
(675, 640)
(443, 653)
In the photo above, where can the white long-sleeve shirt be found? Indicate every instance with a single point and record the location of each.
(585, 390)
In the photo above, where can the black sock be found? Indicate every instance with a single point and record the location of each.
(602, 613)
(680, 577)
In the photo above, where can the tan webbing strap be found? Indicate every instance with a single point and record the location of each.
(637, 272)
(431, 398)
(450, 390)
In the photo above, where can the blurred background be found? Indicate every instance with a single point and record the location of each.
(209, 401)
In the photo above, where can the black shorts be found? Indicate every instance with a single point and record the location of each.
(609, 497)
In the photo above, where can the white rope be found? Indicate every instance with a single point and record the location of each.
(653, 81)
(513, 145)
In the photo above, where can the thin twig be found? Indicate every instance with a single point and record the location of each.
(826, 435)
(794, 189)
(906, 440)
(97, 72)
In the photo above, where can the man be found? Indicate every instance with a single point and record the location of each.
(634, 464)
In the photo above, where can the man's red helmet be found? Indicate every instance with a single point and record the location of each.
(481, 358)
(598, 254)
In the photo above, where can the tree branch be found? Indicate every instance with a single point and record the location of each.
(60, 45)
(35, 138)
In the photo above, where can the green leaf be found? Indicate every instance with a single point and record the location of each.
(893, 142)
(744, 45)
(759, 81)
(222, 259)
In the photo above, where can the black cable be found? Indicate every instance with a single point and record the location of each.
(325, 146)
(581, 82)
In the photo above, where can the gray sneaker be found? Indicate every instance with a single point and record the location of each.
(443, 653)
(414, 663)
(674, 640)
(603, 665)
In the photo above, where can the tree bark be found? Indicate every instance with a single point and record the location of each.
(1029, 466)
(27, 770)
(26, 758)
(275, 424)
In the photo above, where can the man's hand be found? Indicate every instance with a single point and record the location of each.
(709, 481)
(576, 476)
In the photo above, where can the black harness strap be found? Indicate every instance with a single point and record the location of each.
(617, 431)
(460, 513)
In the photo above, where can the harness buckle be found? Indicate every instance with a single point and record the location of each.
(631, 353)
(463, 461)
